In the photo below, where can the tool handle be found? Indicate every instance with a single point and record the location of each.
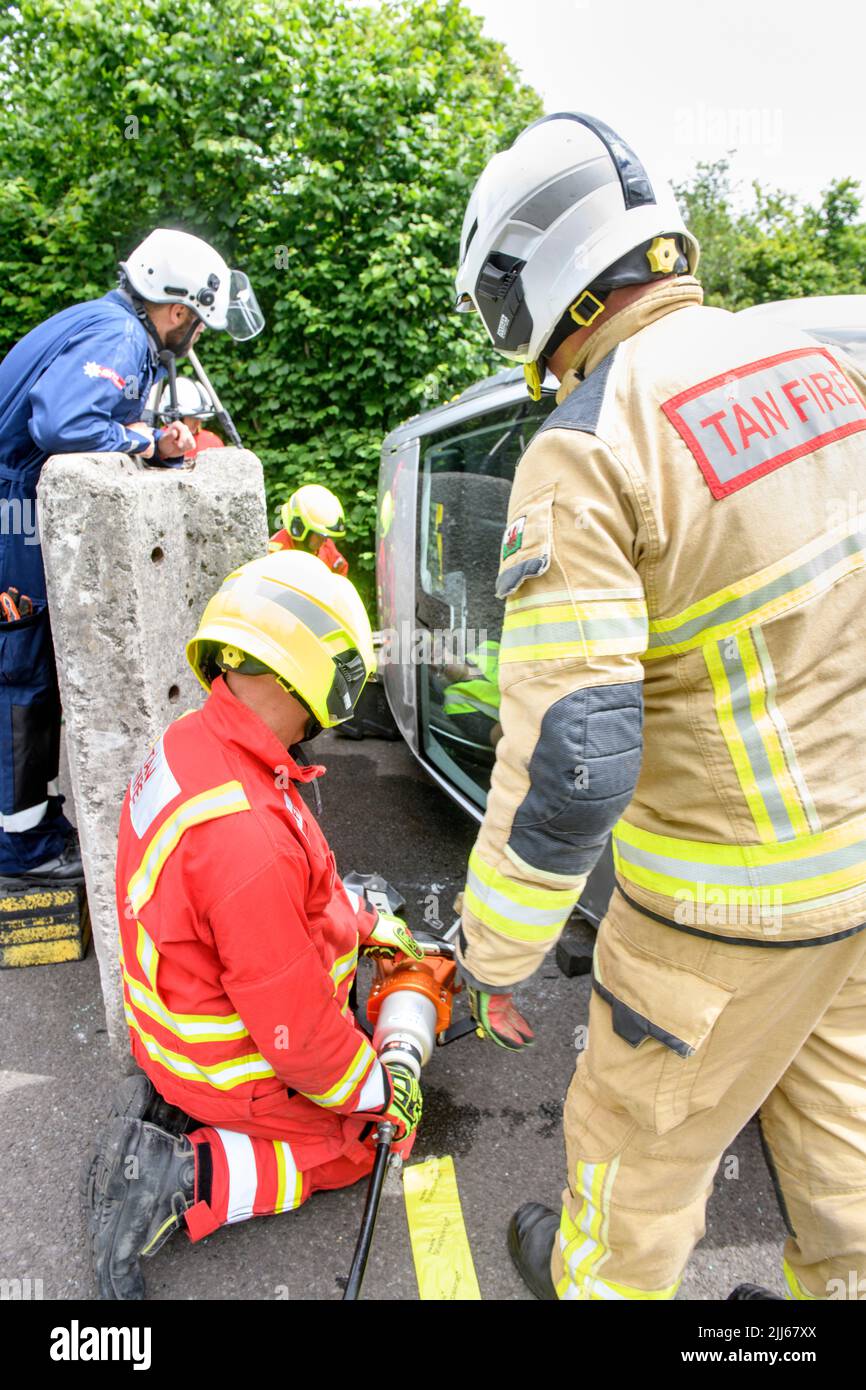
(169, 361)
(220, 411)
(384, 1136)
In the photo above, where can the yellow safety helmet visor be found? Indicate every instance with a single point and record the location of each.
(313, 508)
(288, 614)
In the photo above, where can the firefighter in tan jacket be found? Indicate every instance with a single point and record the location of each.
(684, 576)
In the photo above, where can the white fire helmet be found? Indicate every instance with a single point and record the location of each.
(171, 267)
(556, 222)
(192, 400)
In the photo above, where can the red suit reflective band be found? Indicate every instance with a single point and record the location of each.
(748, 421)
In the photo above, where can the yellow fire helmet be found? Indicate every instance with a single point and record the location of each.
(313, 508)
(289, 615)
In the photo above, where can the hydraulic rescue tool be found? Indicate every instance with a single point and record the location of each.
(222, 415)
(173, 410)
(409, 1011)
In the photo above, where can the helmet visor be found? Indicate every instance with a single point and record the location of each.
(244, 318)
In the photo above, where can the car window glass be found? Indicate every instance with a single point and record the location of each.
(465, 481)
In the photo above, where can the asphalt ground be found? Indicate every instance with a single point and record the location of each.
(497, 1114)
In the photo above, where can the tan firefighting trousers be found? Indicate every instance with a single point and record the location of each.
(771, 1030)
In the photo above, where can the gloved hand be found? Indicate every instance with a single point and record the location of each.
(389, 936)
(404, 1108)
(499, 1020)
(175, 440)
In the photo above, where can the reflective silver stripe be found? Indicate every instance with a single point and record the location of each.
(734, 609)
(782, 730)
(747, 875)
(372, 1095)
(633, 630)
(543, 208)
(753, 740)
(224, 1076)
(310, 614)
(231, 1027)
(243, 1176)
(576, 596)
(515, 912)
(24, 820)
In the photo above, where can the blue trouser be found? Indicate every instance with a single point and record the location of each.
(33, 825)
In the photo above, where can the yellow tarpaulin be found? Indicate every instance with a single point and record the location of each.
(440, 1246)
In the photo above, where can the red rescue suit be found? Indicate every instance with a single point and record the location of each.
(239, 944)
(205, 439)
(327, 551)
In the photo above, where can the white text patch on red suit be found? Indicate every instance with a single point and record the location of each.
(753, 419)
(151, 789)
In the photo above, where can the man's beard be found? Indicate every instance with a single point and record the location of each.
(179, 340)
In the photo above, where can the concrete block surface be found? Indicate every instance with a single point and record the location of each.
(132, 555)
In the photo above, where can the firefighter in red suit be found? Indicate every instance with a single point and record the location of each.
(239, 942)
(313, 520)
(196, 406)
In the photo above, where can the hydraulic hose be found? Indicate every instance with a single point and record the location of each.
(384, 1135)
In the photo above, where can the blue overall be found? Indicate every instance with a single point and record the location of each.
(70, 386)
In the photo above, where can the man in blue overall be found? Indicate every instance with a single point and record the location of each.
(78, 383)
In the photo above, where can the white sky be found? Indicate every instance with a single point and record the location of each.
(780, 81)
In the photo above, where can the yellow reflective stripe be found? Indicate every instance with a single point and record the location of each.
(147, 954)
(769, 734)
(192, 1028)
(344, 966)
(781, 874)
(734, 741)
(813, 822)
(793, 580)
(585, 1242)
(584, 1245)
(574, 882)
(352, 1077)
(796, 1290)
(523, 911)
(225, 1076)
(225, 800)
(172, 1220)
(289, 1180)
(552, 630)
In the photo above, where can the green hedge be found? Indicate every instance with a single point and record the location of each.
(326, 148)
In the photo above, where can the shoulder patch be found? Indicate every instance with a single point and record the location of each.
(153, 786)
(512, 536)
(94, 369)
(747, 422)
(581, 409)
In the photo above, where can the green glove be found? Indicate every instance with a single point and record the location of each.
(499, 1020)
(405, 1106)
(389, 936)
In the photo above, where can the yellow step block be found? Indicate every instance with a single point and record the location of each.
(43, 926)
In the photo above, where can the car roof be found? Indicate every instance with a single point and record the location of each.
(837, 315)
(830, 312)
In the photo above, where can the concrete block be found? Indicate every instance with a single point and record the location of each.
(132, 555)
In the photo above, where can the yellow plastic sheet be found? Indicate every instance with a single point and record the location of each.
(440, 1246)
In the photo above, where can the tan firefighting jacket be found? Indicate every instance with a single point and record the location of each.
(685, 542)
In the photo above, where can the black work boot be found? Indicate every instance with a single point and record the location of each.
(531, 1234)
(144, 1182)
(65, 870)
(749, 1291)
(136, 1098)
